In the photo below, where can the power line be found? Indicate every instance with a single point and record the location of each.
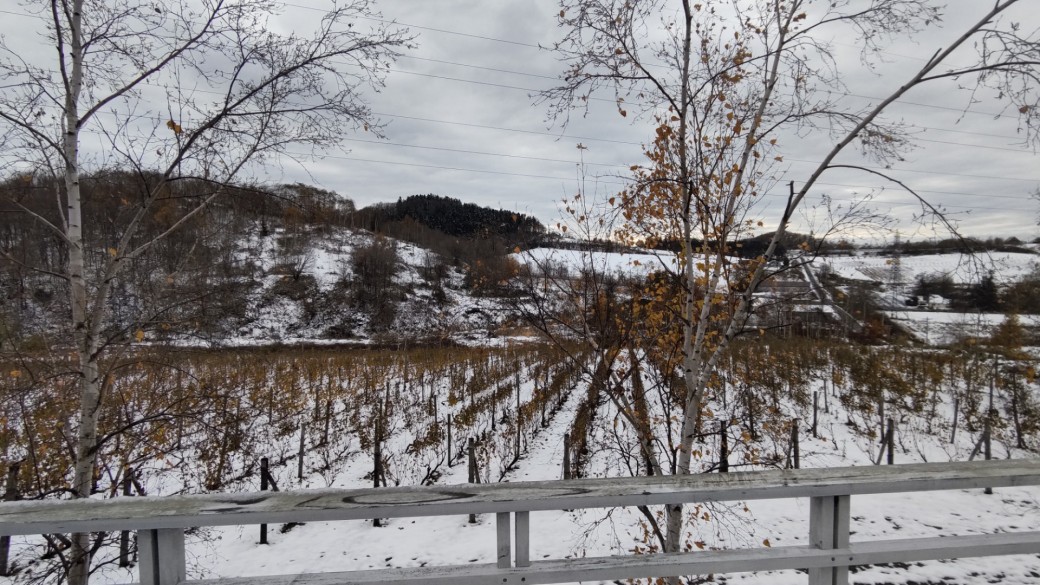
(432, 29)
(483, 153)
(504, 129)
(457, 64)
(537, 75)
(546, 159)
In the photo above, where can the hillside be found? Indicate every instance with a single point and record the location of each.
(282, 264)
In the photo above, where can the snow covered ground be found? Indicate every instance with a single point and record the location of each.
(609, 262)
(355, 545)
(944, 328)
(1006, 267)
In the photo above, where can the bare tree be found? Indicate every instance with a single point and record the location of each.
(722, 83)
(182, 88)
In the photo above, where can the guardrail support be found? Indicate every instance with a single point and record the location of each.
(505, 554)
(523, 539)
(829, 529)
(161, 556)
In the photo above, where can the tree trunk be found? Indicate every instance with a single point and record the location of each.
(86, 343)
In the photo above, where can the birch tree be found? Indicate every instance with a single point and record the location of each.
(171, 90)
(722, 82)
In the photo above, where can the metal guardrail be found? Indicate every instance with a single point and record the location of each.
(160, 522)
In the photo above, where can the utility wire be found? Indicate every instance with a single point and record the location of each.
(531, 90)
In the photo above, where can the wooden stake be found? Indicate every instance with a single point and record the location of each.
(723, 448)
(794, 445)
(890, 442)
(815, 411)
(473, 476)
(263, 487)
(986, 444)
(377, 462)
(124, 535)
(299, 472)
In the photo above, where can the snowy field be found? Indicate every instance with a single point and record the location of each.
(355, 545)
(1006, 267)
(944, 328)
(541, 259)
(451, 540)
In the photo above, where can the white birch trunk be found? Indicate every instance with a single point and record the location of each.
(85, 341)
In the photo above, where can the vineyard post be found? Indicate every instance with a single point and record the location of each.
(519, 437)
(566, 456)
(956, 409)
(377, 461)
(794, 445)
(890, 442)
(815, 411)
(124, 535)
(328, 418)
(299, 463)
(10, 495)
(723, 447)
(750, 414)
(881, 413)
(449, 439)
(264, 462)
(473, 477)
(988, 452)
(993, 379)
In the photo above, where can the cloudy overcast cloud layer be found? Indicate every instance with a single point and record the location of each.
(462, 122)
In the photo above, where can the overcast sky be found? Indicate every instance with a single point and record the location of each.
(461, 122)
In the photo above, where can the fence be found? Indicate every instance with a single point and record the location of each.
(160, 522)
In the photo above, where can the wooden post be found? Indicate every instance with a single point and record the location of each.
(124, 535)
(519, 437)
(503, 547)
(449, 439)
(826, 400)
(263, 487)
(377, 461)
(750, 415)
(993, 382)
(161, 554)
(881, 414)
(473, 476)
(956, 409)
(829, 518)
(522, 539)
(10, 495)
(890, 442)
(723, 448)
(328, 419)
(303, 434)
(794, 445)
(815, 411)
(986, 445)
(566, 456)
